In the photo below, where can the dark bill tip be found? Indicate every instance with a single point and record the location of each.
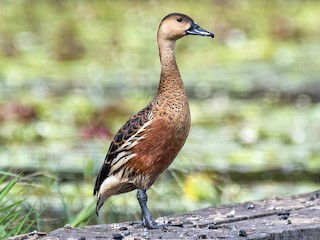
(195, 29)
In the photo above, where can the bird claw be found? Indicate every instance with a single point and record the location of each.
(151, 225)
(155, 225)
(139, 224)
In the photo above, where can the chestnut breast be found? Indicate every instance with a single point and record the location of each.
(164, 137)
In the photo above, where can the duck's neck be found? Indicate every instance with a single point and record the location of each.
(170, 79)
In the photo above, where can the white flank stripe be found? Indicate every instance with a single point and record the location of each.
(121, 162)
(124, 154)
(133, 140)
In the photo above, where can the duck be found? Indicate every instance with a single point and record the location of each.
(150, 140)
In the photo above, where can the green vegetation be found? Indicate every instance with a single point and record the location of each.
(71, 72)
(14, 217)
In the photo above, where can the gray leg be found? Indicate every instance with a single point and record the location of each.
(147, 218)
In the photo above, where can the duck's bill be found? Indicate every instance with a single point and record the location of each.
(195, 29)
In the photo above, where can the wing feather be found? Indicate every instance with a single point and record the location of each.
(125, 139)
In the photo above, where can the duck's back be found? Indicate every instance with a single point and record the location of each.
(147, 143)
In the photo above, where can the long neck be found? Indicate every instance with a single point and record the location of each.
(170, 78)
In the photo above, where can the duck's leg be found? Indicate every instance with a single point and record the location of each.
(146, 215)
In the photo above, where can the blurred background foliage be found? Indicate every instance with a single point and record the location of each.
(72, 72)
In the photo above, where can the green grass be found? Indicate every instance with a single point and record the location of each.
(15, 218)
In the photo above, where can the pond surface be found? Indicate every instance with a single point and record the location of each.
(261, 143)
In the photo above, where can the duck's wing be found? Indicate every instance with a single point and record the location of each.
(120, 150)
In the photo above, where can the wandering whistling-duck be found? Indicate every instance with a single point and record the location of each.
(150, 140)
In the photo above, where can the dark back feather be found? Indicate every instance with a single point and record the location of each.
(130, 128)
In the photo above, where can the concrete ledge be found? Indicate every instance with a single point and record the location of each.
(294, 218)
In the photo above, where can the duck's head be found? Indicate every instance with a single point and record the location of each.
(176, 25)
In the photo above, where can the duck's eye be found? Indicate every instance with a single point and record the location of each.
(179, 19)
